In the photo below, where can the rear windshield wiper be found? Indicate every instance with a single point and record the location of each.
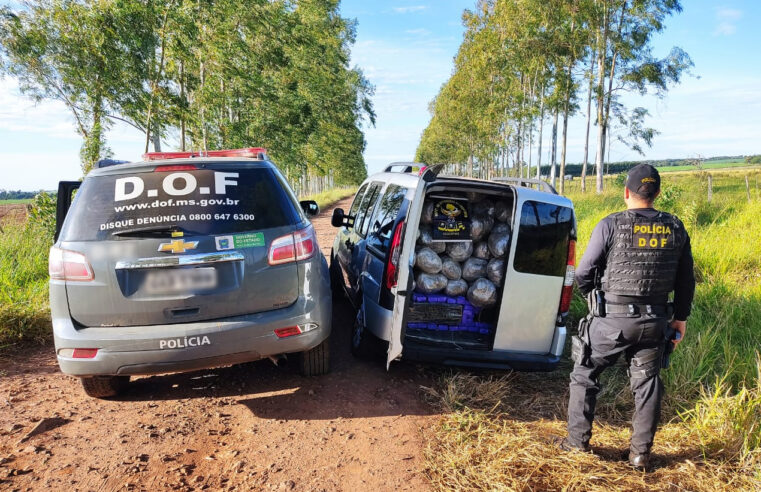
(154, 231)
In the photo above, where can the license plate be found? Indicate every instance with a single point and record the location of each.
(181, 280)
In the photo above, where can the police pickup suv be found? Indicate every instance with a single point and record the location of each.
(457, 271)
(185, 262)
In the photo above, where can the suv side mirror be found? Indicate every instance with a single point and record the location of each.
(63, 203)
(310, 207)
(339, 219)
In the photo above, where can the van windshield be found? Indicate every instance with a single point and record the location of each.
(205, 201)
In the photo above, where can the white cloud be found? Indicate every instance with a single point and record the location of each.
(410, 9)
(727, 21)
(420, 31)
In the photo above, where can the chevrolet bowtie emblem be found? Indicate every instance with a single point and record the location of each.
(177, 246)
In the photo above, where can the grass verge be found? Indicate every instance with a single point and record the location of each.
(24, 311)
(327, 198)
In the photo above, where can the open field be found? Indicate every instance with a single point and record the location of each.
(718, 164)
(12, 202)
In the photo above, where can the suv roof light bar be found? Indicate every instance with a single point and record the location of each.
(528, 183)
(250, 152)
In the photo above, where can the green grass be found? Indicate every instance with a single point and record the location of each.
(24, 311)
(718, 164)
(15, 201)
(330, 197)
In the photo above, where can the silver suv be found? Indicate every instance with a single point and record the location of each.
(182, 262)
(457, 271)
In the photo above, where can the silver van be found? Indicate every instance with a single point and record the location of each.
(184, 262)
(373, 260)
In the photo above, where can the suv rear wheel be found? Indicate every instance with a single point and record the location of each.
(104, 386)
(316, 361)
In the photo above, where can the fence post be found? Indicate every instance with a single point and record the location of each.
(747, 187)
(710, 188)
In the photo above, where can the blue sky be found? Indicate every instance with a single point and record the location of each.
(406, 50)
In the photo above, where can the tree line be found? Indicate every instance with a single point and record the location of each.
(524, 62)
(206, 74)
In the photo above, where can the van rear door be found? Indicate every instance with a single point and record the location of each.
(543, 226)
(403, 291)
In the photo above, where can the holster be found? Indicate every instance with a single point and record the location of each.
(581, 349)
(596, 303)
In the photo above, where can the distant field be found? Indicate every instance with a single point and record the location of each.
(720, 164)
(12, 202)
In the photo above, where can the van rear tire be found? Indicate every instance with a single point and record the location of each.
(336, 279)
(316, 361)
(104, 386)
(364, 345)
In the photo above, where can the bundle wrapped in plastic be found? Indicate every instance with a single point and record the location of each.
(495, 271)
(425, 236)
(483, 207)
(474, 268)
(456, 288)
(427, 217)
(460, 250)
(438, 246)
(428, 261)
(450, 268)
(482, 293)
(481, 250)
(480, 226)
(502, 211)
(430, 283)
(499, 240)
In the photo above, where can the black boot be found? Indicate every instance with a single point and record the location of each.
(639, 461)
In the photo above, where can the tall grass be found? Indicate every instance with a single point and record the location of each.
(24, 311)
(330, 197)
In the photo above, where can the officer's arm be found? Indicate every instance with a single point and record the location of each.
(594, 256)
(684, 289)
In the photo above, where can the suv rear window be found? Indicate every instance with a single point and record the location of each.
(543, 237)
(205, 201)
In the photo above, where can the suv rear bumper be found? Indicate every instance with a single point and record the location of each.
(485, 359)
(155, 349)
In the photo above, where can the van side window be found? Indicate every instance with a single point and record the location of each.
(385, 216)
(366, 209)
(543, 237)
(357, 200)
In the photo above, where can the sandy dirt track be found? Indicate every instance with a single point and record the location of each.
(247, 427)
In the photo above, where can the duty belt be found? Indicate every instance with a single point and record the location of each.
(634, 310)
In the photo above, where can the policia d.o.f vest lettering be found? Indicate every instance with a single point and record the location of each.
(644, 256)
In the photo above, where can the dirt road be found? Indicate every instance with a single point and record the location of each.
(248, 427)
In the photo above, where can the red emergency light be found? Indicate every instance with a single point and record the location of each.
(251, 152)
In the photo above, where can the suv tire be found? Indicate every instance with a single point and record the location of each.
(316, 361)
(104, 386)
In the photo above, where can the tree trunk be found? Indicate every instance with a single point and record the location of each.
(602, 49)
(553, 158)
(182, 99)
(470, 165)
(541, 127)
(156, 141)
(589, 118)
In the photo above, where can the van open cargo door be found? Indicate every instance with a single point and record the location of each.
(403, 290)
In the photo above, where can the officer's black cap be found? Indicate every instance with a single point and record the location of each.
(644, 180)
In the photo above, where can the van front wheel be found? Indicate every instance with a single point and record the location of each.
(104, 386)
(316, 361)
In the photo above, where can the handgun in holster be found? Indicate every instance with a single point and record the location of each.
(669, 335)
(581, 349)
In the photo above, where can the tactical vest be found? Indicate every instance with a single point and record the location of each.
(644, 256)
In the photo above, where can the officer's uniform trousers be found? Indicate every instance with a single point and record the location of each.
(641, 340)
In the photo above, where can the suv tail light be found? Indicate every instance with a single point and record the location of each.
(69, 265)
(392, 271)
(570, 273)
(300, 245)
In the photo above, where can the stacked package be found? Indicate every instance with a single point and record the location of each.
(464, 272)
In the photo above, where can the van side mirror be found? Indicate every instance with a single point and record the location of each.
(63, 203)
(339, 219)
(310, 207)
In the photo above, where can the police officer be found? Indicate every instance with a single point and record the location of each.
(636, 258)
